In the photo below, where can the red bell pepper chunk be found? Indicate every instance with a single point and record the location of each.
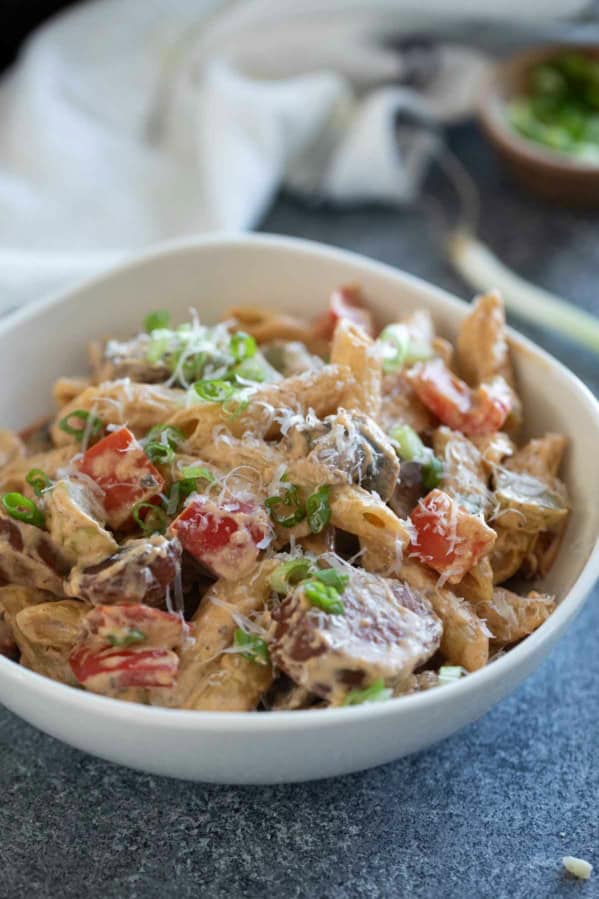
(447, 538)
(107, 670)
(127, 646)
(120, 467)
(223, 536)
(345, 302)
(474, 412)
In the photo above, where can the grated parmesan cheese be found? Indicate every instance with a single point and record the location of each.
(240, 620)
(276, 484)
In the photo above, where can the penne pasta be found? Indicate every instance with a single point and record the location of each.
(65, 390)
(210, 677)
(465, 639)
(382, 535)
(268, 407)
(483, 352)
(353, 348)
(139, 406)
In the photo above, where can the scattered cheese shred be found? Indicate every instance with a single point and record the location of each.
(579, 867)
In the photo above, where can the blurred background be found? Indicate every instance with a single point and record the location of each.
(382, 127)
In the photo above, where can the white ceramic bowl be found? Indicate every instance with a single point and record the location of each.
(49, 339)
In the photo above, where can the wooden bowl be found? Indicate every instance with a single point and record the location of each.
(547, 172)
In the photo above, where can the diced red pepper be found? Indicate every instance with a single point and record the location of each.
(345, 302)
(121, 625)
(120, 467)
(474, 412)
(447, 538)
(111, 669)
(127, 646)
(222, 536)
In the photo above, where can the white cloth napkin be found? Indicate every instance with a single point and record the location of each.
(127, 122)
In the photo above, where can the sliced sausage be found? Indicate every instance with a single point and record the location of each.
(29, 557)
(344, 448)
(139, 572)
(386, 630)
(114, 359)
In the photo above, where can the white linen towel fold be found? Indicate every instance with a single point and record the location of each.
(127, 122)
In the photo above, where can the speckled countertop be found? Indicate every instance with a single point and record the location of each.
(488, 813)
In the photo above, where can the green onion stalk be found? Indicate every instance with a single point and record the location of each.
(483, 271)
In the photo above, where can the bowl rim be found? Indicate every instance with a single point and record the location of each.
(256, 722)
(490, 108)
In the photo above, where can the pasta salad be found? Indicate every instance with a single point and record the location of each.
(269, 513)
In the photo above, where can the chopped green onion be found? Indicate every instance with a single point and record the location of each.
(235, 406)
(167, 434)
(408, 444)
(38, 480)
(561, 105)
(292, 498)
(174, 357)
(193, 364)
(133, 635)
(288, 574)
(175, 499)
(157, 321)
(432, 472)
(242, 346)
(216, 391)
(187, 485)
(395, 340)
(256, 369)
(448, 674)
(158, 347)
(161, 442)
(291, 573)
(23, 509)
(318, 509)
(197, 471)
(254, 648)
(410, 448)
(154, 520)
(400, 348)
(249, 372)
(332, 578)
(325, 598)
(376, 692)
(178, 493)
(159, 452)
(90, 423)
(418, 351)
